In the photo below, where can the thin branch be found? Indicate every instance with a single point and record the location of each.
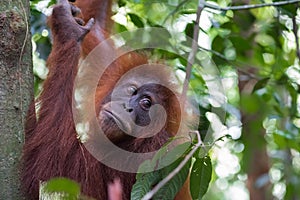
(295, 31)
(151, 193)
(242, 65)
(236, 62)
(193, 52)
(253, 6)
(215, 53)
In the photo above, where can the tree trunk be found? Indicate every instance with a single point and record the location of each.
(255, 158)
(16, 90)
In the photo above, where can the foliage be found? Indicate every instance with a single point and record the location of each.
(255, 54)
(146, 181)
(200, 176)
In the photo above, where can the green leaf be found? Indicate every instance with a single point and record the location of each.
(261, 84)
(284, 140)
(290, 10)
(200, 177)
(61, 188)
(121, 3)
(189, 30)
(170, 190)
(294, 99)
(120, 28)
(136, 20)
(177, 153)
(146, 181)
(144, 184)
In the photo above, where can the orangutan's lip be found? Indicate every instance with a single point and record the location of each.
(125, 127)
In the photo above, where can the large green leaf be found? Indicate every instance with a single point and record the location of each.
(144, 184)
(200, 177)
(146, 181)
(172, 187)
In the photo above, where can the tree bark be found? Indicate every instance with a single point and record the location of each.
(16, 90)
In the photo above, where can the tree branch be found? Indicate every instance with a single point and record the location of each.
(253, 6)
(151, 193)
(193, 52)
